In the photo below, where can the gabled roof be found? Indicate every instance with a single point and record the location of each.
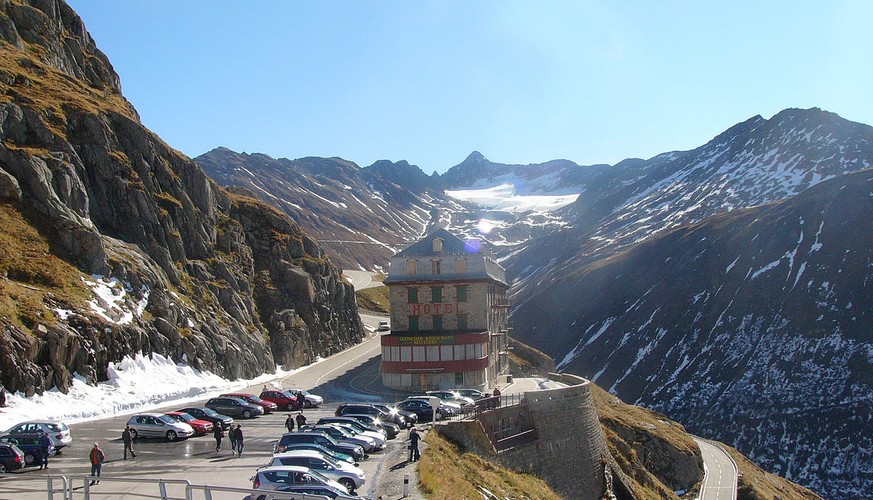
(451, 245)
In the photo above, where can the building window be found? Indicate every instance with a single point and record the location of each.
(462, 322)
(436, 294)
(437, 322)
(461, 291)
(437, 245)
(459, 352)
(406, 354)
(446, 353)
(460, 265)
(435, 264)
(471, 352)
(459, 379)
(480, 351)
(413, 323)
(386, 353)
(418, 353)
(433, 353)
(412, 295)
(411, 266)
(395, 353)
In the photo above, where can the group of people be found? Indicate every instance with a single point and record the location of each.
(235, 434)
(300, 419)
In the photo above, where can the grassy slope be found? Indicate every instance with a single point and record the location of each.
(755, 484)
(447, 473)
(374, 299)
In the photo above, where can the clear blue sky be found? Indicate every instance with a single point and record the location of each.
(522, 82)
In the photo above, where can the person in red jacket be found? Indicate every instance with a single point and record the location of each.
(96, 456)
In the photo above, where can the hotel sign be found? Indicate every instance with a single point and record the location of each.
(428, 340)
(436, 308)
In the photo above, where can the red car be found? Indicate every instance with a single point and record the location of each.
(283, 399)
(201, 427)
(269, 407)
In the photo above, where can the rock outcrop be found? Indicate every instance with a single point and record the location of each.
(129, 246)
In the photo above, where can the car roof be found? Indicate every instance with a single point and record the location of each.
(147, 415)
(290, 468)
(299, 453)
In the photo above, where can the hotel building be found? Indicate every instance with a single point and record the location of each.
(448, 316)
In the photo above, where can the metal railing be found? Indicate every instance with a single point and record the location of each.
(165, 489)
(486, 404)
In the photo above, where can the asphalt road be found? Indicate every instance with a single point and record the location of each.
(720, 482)
(338, 378)
(361, 279)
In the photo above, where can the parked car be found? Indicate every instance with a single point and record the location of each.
(358, 424)
(269, 406)
(455, 407)
(57, 431)
(234, 407)
(348, 475)
(357, 429)
(424, 410)
(411, 418)
(342, 436)
(453, 397)
(318, 490)
(209, 415)
(368, 409)
(473, 394)
(356, 451)
(309, 400)
(156, 425)
(11, 458)
(384, 326)
(335, 455)
(391, 429)
(285, 400)
(31, 445)
(272, 477)
(201, 427)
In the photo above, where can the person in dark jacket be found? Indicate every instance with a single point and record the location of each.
(96, 457)
(45, 446)
(127, 439)
(231, 434)
(289, 423)
(414, 454)
(301, 400)
(301, 419)
(237, 435)
(218, 433)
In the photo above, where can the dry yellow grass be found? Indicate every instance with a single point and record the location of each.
(33, 275)
(447, 473)
(755, 483)
(374, 299)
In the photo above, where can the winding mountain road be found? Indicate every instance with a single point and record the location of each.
(720, 481)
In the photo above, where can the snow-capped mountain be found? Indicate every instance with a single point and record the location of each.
(724, 285)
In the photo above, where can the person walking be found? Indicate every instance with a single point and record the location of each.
(289, 423)
(231, 434)
(301, 420)
(45, 446)
(414, 454)
(127, 439)
(218, 433)
(238, 437)
(96, 457)
(301, 400)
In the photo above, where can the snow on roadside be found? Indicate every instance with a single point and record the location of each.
(506, 198)
(137, 383)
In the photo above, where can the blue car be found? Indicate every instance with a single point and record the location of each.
(29, 444)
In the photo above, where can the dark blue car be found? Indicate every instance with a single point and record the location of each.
(31, 445)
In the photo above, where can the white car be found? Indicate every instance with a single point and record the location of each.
(158, 425)
(58, 432)
(310, 400)
(384, 326)
(273, 477)
(348, 475)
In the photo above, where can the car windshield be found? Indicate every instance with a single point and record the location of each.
(166, 419)
(185, 417)
(209, 411)
(254, 399)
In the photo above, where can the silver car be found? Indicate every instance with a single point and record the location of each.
(348, 475)
(58, 432)
(158, 425)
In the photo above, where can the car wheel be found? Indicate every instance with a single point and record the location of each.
(307, 403)
(2, 468)
(348, 483)
(171, 435)
(29, 459)
(133, 434)
(247, 414)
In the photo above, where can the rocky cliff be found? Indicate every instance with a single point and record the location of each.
(120, 244)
